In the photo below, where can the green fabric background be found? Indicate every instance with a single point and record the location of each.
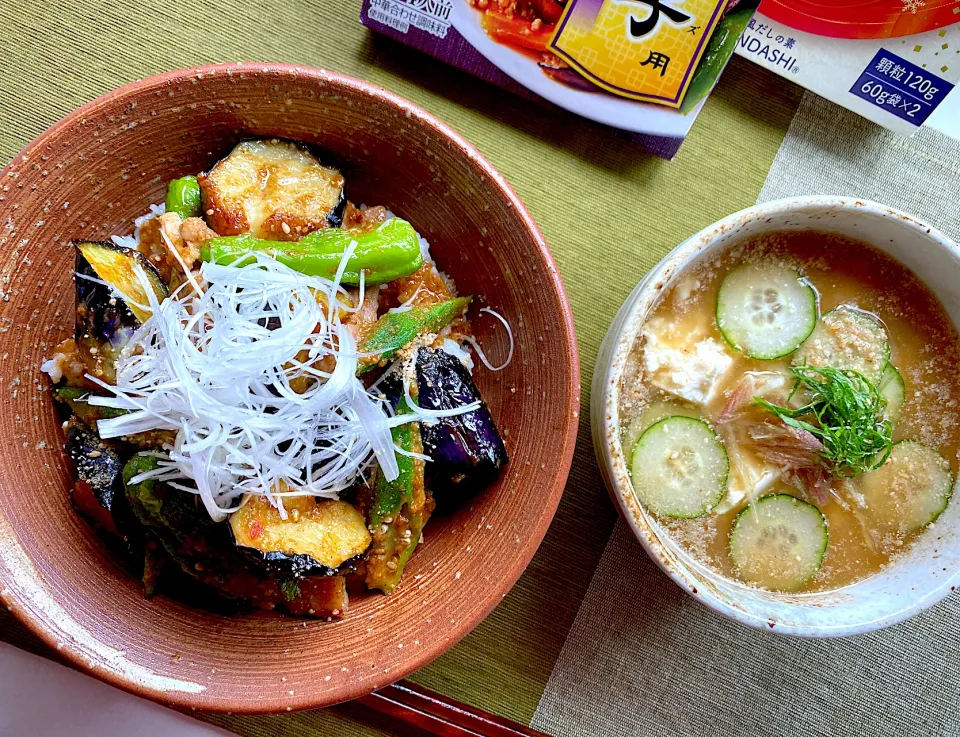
(608, 211)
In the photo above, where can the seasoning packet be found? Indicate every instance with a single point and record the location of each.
(896, 62)
(641, 67)
(641, 49)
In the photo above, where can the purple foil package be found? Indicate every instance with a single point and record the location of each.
(509, 49)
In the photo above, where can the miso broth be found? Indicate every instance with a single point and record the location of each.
(812, 300)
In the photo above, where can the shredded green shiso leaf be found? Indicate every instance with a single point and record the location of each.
(845, 413)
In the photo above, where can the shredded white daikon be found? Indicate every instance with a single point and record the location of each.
(224, 368)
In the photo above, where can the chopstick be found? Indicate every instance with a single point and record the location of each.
(428, 712)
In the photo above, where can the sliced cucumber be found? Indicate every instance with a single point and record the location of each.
(847, 338)
(909, 491)
(765, 312)
(679, 468)
(778, 543)
(893, 392)
(651, 415)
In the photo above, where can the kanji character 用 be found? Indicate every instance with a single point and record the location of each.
(658, 61)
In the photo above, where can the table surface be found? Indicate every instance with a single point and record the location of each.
(608, 211)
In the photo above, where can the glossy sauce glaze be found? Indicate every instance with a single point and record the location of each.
(924, 347)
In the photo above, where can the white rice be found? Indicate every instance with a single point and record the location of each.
(458, 351)
(132, 241)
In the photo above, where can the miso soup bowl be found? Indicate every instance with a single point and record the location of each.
(915, 581)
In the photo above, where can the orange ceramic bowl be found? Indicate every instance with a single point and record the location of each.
(89, 176)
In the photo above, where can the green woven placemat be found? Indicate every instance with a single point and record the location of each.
(608, 211)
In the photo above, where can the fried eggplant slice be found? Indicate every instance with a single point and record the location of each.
(318, 537)
(128, 272)
(105, 321)
(205, 551)
(99, 485)
(466, 450)
(273, 189)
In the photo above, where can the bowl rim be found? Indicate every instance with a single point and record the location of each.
(517, 562)
(605, 410)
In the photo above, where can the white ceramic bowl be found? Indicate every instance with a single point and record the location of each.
(920, 578)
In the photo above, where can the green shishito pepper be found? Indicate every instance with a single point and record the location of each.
(398, 512)
(395, 330)
(183, 197)
(385, 253)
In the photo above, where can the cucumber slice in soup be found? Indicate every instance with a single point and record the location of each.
(650, 416)
(909, 491)
(679, 468)
(778, 543)
(765, 312)
(847, 338)
(893, 391)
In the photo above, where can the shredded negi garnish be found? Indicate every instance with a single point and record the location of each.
(220, 369)
(845, 413)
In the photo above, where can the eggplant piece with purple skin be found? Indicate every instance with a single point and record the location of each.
(98, 493)
(567, 76)
(105, 322)
(99, 484)
(466, 450)
(326, 537)
(98, 311)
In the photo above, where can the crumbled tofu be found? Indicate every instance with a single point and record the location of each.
(690, 372)
(687, 289)
(771, 385)
(778, 387)
(752, 484)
